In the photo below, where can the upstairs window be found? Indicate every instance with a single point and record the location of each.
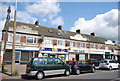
(61, 42)
(82, 45)
(10, 38)
(47, 41)
(99, 46)
(74, 44)
(31, 39)
(92, 45)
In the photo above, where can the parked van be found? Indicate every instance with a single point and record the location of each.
(44, 66)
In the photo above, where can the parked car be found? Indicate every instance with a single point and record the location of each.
(81, 66)
(108, 64)
(93, 61)
(44, 66)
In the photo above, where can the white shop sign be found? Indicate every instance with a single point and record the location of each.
(22, 48)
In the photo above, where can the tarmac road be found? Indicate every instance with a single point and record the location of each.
(99, 75)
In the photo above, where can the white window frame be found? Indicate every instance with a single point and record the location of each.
(33, 39)
(61, 42)
(82, 44)
(10, 38)
(92, 45)
(47, 41)
(72, 44)
(99, 46)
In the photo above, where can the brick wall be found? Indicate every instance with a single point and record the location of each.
(67, 43)
(54, 42)
(87, 45)
(78, 44)
(5, 36)
(23, 39)
(96, 46)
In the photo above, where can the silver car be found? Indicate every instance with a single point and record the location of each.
(108, 64)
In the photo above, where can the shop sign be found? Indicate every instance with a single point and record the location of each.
(79, 51)
(21, 48)
(55, 50)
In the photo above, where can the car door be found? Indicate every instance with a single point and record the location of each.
(112, 63)
(80, 65)
(87, 66)
(59, 64)
(115, 64)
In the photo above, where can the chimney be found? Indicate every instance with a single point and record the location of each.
(78, 31)
(93, 34)
(60, 27)
(36, 23)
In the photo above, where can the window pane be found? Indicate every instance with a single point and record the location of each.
(29, 39)
(34, 40)
(10, 38)
(18, 38)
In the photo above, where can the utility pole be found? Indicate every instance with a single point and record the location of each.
(6, 35)
(13, 45)
(40, 45)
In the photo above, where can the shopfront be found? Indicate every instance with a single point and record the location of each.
(77, 56)
(96, 56)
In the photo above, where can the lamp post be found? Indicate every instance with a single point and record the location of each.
(6, 34)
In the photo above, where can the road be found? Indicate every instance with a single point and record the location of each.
(97, 76)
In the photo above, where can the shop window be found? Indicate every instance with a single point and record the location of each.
(82, 45)
(31, 39)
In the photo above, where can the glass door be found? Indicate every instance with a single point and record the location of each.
(17, 56)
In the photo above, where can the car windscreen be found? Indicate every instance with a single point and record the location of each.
(104, 61)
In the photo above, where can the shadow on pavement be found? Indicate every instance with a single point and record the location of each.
(46, 77)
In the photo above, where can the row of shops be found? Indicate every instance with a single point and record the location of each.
(23, 54)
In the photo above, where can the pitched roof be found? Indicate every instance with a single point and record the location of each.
(54, 32)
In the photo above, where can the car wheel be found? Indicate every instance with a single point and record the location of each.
(110, 68)
(67, 72)
(39, 75)
(92, 70)
(77, 71)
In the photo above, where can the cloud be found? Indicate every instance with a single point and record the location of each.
(48, 9)
(25, 17)
(104, 25)
(2, 22)
(58, 21)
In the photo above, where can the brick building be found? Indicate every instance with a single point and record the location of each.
(65, 45)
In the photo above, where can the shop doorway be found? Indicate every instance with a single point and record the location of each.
(77, 57)
(17, 56)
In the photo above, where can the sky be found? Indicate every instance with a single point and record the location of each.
(98, 17)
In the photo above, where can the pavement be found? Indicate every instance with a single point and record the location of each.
(20, 68)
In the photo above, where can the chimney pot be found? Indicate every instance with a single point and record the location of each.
(36, 23)
(113, 41)
(93, 34)
(60, 27)
(78, 31)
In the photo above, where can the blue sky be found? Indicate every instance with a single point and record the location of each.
(72, 15)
